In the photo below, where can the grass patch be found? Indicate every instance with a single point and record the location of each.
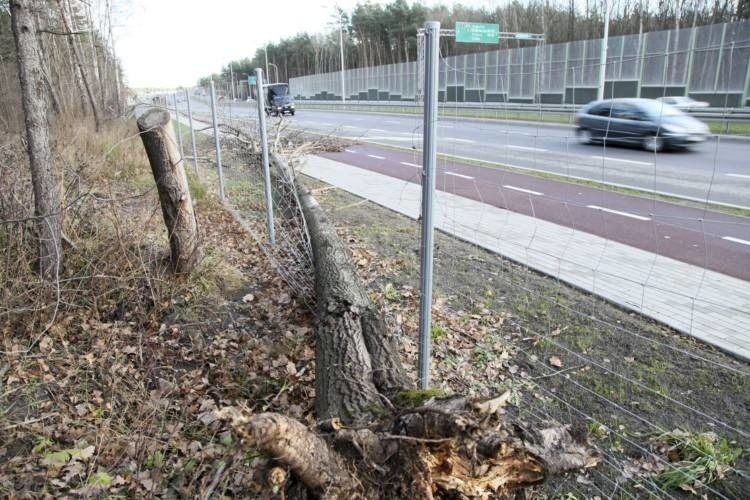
(416, 397)
(696, 459)
(624, 383)
(437, 332)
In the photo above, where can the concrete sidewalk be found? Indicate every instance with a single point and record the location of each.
(708, 305)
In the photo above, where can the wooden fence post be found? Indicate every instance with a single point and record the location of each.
(172, 184)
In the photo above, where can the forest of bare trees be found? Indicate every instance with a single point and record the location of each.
(57, 65)
(81, 74)
(377, 34)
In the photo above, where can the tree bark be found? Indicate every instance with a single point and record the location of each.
(357, 361)
(33, 90)
(172, 184)
(322, 470)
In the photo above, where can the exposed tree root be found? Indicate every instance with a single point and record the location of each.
(448, 449)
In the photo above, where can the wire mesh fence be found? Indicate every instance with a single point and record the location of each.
(242, 178)
(587, 273)
(581, 357)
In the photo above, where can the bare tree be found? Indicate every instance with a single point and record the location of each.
(33, 90)
(79, 63)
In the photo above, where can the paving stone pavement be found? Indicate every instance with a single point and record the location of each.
(710, 306)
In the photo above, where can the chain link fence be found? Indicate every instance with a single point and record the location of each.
(504, 280)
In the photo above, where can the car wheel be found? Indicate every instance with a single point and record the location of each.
(585, 136)
(292, 113)
(653, 143)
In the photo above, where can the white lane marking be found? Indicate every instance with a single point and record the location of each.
(612, 158)
(378, 138)
(393, 122)
(377, 157)
(528, 191)
(378, 130)
(325, 123)
(459, 175)
(617, 212)
(740, 176)
(525, 148)
(350, 151)
(349, 126)
(410, 164)
(456, 139)
(735, 240)
(446, 125)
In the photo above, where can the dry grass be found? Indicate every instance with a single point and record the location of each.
(109, 377)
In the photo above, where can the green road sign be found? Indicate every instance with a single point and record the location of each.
(251, 80)
(477, 32)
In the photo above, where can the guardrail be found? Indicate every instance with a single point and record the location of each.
(714, 114)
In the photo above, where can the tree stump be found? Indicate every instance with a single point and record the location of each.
(172, 185)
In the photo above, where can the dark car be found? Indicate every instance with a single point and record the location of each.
(651, 124)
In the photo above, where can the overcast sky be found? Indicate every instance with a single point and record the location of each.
(171, 43)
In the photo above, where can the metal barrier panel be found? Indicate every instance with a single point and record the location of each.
(703, 60)
(706, 58)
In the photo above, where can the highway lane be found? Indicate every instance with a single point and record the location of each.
(707, 239)
(717, 170)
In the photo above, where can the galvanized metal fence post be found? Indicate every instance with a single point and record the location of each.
(264, 148)
(217, 141)
(429, 155)
(177, 126)
(192, 130)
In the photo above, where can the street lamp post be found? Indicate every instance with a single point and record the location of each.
(265, 51)
(603, 54)
(341, 46)
(276, 72)
(231, 79)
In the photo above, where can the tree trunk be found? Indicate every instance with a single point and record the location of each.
(44, 57)
(79, 63)
(172, 184)
(94, 57)
(357, 361)
(33, 90)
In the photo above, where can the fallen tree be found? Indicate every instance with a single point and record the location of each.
(376, 437)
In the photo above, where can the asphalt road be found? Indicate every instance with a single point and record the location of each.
(704, 238)
(717, 170)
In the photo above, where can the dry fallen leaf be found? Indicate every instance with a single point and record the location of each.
(491, 406)
(556, 362)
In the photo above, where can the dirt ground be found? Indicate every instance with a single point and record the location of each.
(564, 353)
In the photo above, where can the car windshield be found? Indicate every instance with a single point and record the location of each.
(656, 109)
(278, 89)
